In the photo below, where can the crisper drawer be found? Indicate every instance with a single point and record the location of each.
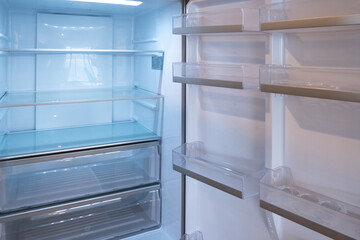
(48, 179)
(109, 216)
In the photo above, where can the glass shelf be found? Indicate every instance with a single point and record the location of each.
(21, 99)
(294, 15)
(86, 173)
(39, 142)
(193, 160)
(106, 217)
(329, 83)
(81, 51)
(237, 21)
(215, 75)
(330, 217)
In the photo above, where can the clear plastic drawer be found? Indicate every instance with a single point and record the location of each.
(32, 182)
(110, 216)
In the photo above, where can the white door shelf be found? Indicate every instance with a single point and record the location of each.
(317, 82)
(70, 176)
(31, 98)
(22, 144)
(330, 217)
(239, 20)
(302, 16)
(215, 75)
(109, 216)
(191, 159)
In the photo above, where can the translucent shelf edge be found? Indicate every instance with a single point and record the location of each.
(330, 217)
(78, 51)
(312, 23)
(289, 16)
(327, 83)
(191, 159)
(21, 99)
(216, 22)
(216, 75)
(41, 142)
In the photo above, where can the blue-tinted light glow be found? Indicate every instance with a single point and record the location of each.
(121, 2)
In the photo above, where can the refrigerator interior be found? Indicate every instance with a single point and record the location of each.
(316, 139)
(77, 74)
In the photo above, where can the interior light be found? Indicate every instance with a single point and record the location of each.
(121, 2)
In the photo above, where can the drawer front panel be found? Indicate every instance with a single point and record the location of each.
(114, 215)
(36, 184)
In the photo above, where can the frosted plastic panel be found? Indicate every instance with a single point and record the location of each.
(110, 216)
(309, 14)
(330, 83)
(333, 218)
(17, 99)
(235, 21)
(37, 141)
(194, 161)
(193, 236)
(217, 75)
(34, 184)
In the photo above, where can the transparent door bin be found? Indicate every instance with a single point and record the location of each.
(110, 216)
(193, 160)
(236, 21)
(317, 82)
(333, 218)
(193, 236)
(217, 75)
(63, 128)
(83, 174)
(304, 15)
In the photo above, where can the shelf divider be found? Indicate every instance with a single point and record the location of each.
(325, 215)
(191, 159)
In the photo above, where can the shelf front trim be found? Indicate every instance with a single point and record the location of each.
(304, 222)
(332, 94)
(209, 82)
(79, 203)
(59, 102)
(345, 20)
(209, 29)
(209, 181)
(76, 152)
(80, 51)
